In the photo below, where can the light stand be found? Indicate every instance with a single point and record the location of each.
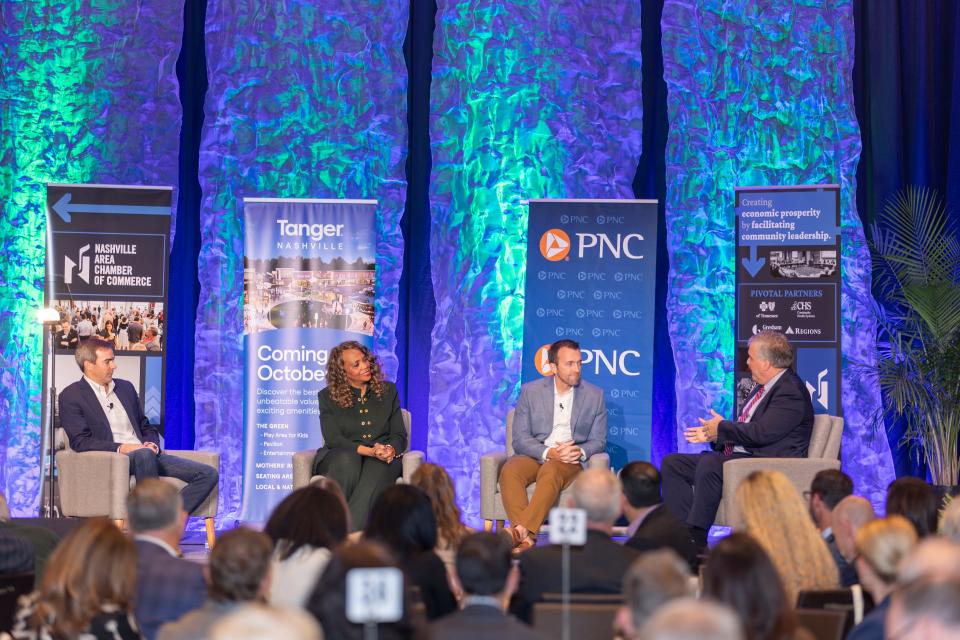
(50, 318)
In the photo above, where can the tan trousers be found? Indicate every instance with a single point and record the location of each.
(518, 473)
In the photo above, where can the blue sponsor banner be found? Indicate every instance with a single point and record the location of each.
(788, 280)
(308, 284)
(591, 277)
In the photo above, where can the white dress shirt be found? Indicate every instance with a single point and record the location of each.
(120, 424)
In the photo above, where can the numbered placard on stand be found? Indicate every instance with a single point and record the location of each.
(374, 595)
(568, 526)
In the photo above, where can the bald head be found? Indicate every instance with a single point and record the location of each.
(849, 515)
(933, 558)
(597, 491)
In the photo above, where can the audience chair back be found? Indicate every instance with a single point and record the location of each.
(587, 621)
(824, 624)
(12, 586)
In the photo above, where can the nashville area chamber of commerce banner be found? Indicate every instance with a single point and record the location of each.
(309, 278)
(591, 277)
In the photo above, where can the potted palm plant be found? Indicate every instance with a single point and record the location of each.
(916, 266)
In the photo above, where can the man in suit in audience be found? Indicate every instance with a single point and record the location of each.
(828, 488)
(596, 567)
(484, 566)
(41, 541)
(559, 422)
(776, 422)
(849, 515)
(652, 526)
(167, 585)
(102, 414)
(654, 579)
(16, 554)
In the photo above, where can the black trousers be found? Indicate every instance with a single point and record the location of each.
(692, 485)
(362, 479)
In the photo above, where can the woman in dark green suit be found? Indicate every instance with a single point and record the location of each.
(363, 430)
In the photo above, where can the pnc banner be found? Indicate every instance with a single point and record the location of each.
(309, 277)
(591, 277)
(788, 280)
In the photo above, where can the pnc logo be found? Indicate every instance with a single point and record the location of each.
(555, 245)
(542, 361)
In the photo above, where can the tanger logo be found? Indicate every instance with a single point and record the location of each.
(822, 392)
(555, 245)
(69, 265)
(542, 361)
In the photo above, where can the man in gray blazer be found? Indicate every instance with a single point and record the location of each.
(559, 422)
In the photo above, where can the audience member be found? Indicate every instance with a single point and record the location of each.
(596, 567)
(87, 590)
(828, 488)
(328, 602)
(135, 330)
(305, 528)
(774, 514)
(107, 333)
(151, 339)
(16, 554)
(925, 610)
(881, 546)
(655, 578)
(934, 557)
(239, 572)
(256, 621)
(849, 515)
(740, 574)
(915, 500)
(434, 481)
(402, 519)
(652, 526)
(42, 542)
(689, 619)
(167, 585)
(484, 566)
(950, 520)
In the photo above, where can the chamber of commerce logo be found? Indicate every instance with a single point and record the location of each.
(821, 393)
(542, 360)
(555, 245)
(84, 263)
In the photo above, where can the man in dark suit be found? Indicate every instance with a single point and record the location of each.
(167, 585)
(827, 489)
(652, 526)
(102, 414)
(66, 336)
(775, 422)
(560, 421)
(596, 567)
(484, 567)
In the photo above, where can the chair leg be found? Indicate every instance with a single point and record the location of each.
(211, 532)
(499, 524)
(488, 525)
(119, 523)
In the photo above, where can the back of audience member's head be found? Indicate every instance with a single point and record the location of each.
(775, 515)
(483, 563)
(333, 487)
(256, 621)
(882, 544)
(950, 520)
(597, 491)
(831, 486)
(4, 509)
(740, 574)
(915, 500)
(689, 619)
(850, 514)
(328, 602)
(94, 565)
(309, 517)
(434, 481)
(933, 557)
(239, 568)
(155, 505)
(656, 577)
(925, 609)
(641, 484)
(402, 519)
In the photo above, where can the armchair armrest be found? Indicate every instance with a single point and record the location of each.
(490, 465)
(598, 461)
(302, 467)
(93, 483)
(208, 508)
(411, 461)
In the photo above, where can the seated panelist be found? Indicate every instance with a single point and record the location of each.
(363, 430)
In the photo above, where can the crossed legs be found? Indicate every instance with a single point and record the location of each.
(518, 473)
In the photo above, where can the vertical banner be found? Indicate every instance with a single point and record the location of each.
(107, 271)
(788, 280)
(591, 277)
(309, 281)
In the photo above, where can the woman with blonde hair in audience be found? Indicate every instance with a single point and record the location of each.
(775, 515)
(87, 590)
(881, 546)
(434, 481)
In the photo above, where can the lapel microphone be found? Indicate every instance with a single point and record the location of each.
(110, 406)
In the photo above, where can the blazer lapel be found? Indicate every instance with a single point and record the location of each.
(576, 412)
(93, 404)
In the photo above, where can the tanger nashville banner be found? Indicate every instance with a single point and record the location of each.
(788, 280)
(309, 276)
(591, 277)
(107, 271)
